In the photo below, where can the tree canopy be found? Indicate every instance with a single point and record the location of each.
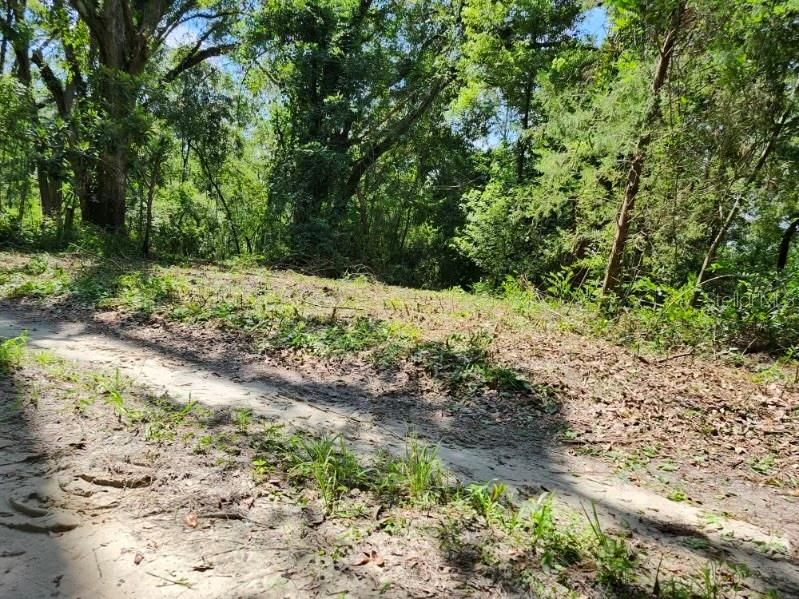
(432, 143)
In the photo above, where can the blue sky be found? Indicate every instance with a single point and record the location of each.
(594, 24)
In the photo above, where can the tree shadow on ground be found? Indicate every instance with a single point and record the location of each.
(361, 404)
(471, 446)
(29, 555)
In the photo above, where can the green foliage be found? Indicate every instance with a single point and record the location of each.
(664, 316)
(487, 500)
(417, 475)
(465, 365)
(34, 279)
(330, 337)
(11, 352)
(430, 144)
(614, 559)
(242, 418)
(331, 465)
(762, 312)
(555, 545)
(141, 292)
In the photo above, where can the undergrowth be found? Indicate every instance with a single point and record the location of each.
(11, 352)
(752, 314)
(464, 364)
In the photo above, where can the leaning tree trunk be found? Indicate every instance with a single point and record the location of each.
(613, 270)
(785, 245)
(710, 255)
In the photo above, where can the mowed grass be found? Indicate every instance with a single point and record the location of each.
(287, 311)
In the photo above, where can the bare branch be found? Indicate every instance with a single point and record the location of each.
(195, 58)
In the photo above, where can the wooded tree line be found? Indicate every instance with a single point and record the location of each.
(432, 142)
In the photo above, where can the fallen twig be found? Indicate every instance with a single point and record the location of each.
(674, 357)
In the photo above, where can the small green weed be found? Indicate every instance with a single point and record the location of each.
(614, 559)
(242, 418)
(417, 475)
(260, 468)
(763, 465)
(555, 545)
(332, 466)
(163, 419)
(487, 500)
(12, 351)
(36, 266)
(46, 358)
(36, 289)
(141, 292)
(677, 495)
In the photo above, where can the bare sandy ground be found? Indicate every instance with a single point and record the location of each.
(70, 555)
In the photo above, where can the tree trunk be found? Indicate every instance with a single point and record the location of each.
(69, 220)
(4, 41)
(81, 182)
(23, 199)
(233, 229)
(106, 208)
(371, 154)
(50, 193)
(522, 146)
(785, 245)
(710, 255)
(613, 270)
(155, 176)
(123, 53)
(148, 224)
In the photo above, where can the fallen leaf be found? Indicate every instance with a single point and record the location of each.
(370, 558)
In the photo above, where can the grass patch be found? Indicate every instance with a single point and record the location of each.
(12, 352)
(465, 365)
(416, 477)
(462, 363)
(330, 465)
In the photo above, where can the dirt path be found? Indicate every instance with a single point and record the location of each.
(528, 467)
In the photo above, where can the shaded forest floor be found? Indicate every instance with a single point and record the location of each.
(690, 459)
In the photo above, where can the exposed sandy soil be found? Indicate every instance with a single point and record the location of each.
(90, 510)
(333, 402)
(603, 424)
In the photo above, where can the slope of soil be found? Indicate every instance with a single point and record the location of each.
(687, 451)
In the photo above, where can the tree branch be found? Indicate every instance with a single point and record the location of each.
(391, 136)
(51, 82)
(195, 58)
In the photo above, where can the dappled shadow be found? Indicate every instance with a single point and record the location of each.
(32, 561)
(225, 365)
(356, 414)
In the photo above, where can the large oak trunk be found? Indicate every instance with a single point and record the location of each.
(106, 208)
(123, 56)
